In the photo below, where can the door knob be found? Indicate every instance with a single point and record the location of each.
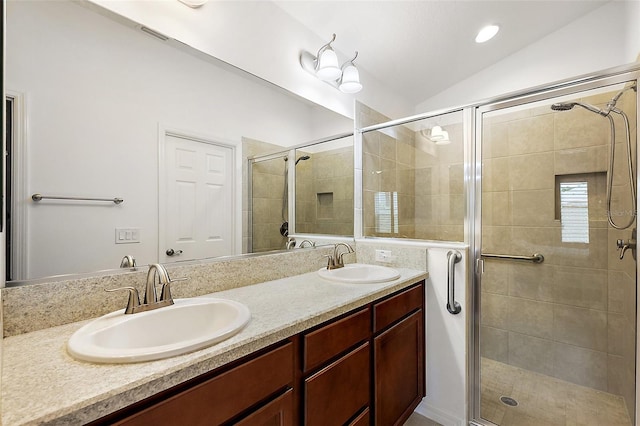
(172, 252)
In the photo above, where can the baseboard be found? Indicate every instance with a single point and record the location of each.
(444, 418)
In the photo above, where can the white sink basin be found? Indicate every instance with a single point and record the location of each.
(359, 273)
(186, 326)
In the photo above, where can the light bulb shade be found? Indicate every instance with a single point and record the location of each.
(327, 67)
(437, 134)
(350, 81)
(445, 139)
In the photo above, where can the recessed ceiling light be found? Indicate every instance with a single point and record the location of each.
(487, 33)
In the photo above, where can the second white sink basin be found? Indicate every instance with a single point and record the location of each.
(360, 273)
(185, 326)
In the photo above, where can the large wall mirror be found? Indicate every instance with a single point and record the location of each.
(103, 109)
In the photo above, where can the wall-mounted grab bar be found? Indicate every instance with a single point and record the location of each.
(535, 258)
(453, 257)
(39, 197)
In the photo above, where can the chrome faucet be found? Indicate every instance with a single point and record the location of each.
(128, 262)
(311, 243)
(624, 245)
(291, 243)
(336, 261)
(151, 300)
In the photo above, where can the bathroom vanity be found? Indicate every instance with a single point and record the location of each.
(315, 352)
(323, 376)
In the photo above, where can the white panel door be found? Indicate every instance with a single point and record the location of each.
(197, 199)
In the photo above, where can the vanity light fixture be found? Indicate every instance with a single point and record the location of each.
(325, 67)
(438, 135)
(487, 33)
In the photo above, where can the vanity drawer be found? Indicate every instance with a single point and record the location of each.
(224, 396)
(392, 309)
(330, 340)
(338, 392)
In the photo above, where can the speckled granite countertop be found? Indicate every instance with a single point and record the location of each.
(41, 383)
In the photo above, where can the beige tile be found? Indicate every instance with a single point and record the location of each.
(495, 140)
(426, 180)
(451, 178)
(388, 146)
(586, 328)
(531, 134)
(494, 311)
(496, 208)
(494, 344)
(496, 239)
(579, 128)
(495, 174)
(530, 317)
(531, 281)
(581, 287)
(533, 208)
(592, 255)
(581, 366)
(531, 171)
(531, 353)
(495, 278)
(581, 160)
(371, 143)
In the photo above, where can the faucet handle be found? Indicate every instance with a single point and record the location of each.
(165, 292)
(330, 261)
(133, 301)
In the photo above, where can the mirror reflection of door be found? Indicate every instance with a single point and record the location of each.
(196, 200)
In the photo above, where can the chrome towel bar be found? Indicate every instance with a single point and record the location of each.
(535, 258)
(453, 257)
(39, 197)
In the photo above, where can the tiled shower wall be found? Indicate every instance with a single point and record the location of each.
(427, 179)
(324, 192)
(573, 316)
(261, 226)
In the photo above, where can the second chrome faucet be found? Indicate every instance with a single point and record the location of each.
(157, 275)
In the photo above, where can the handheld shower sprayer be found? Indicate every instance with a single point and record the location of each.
(611, 107)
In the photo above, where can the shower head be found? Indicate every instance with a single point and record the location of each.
(303, 158)
(566, 106)
(563, 106)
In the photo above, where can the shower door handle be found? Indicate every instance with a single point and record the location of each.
(453, 257)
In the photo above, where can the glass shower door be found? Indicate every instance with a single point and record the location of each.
(558, 314)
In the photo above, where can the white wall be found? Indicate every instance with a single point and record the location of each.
(446, 334)
(101, 96)
(260, 38)
(605, 38)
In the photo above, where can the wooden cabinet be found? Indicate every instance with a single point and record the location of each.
(365, 367)
(399, 370)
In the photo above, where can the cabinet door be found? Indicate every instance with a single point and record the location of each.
(338, 392)
(399, 370)
(278, 412)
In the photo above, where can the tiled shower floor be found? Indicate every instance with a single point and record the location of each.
(544, 400)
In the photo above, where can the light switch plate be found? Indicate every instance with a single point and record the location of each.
(127, 235)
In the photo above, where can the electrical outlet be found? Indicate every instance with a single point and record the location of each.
(383, 256)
